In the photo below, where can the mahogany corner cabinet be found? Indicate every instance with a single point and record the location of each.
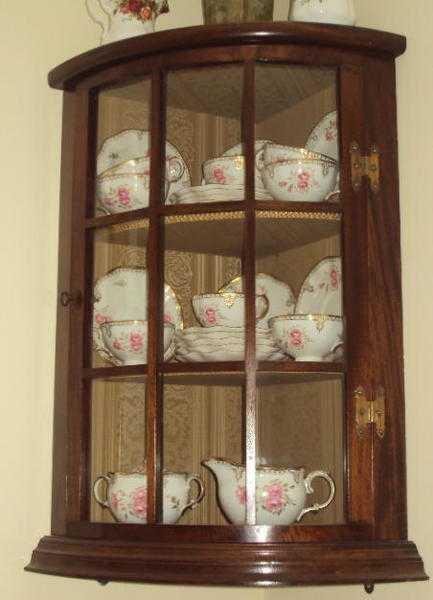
(229, 405)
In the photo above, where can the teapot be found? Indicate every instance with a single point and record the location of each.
(339, 12)
(281, 492)
(126, 495)
(120, 19)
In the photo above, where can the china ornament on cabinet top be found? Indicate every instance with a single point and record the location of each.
(120, 19)
(338, 12)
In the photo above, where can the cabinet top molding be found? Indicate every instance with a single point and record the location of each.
(357, 39)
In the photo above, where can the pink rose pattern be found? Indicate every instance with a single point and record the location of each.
(143, 10)
(136, 341)
(274, 497)
(300, 181)
(210, 316)
(296, 338)
(219, 176)
(101, 319)
(138, 505)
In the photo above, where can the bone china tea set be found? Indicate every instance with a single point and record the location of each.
(307, 328)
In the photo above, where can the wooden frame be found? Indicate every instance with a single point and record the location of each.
(372, 546)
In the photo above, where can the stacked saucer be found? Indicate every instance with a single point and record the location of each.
(216, 344)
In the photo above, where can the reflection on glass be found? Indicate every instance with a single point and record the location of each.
(202, 421)
(204, 107)
(120, 295)
(202, 263)
(300, 425)
(118, 438)
(297, 133)
(123, 148)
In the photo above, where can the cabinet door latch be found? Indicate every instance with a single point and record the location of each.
(365, 166)
(370, 411)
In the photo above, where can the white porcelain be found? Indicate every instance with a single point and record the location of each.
(132, 144)
(199, 344)
(121, 295)
(280, 295)
(238, 150)
(120, 19)
(339, 12)
(127, 341)
(126, 186)
(308, 338)
(126, 496)
(214, 192)
(322, 290)
(225, 309)
(324, 137)
(281, 493)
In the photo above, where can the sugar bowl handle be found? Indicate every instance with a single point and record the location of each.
(194, 503)
(308, 481)
(96, 486)
(68, 298)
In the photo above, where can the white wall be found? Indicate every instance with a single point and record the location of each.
(38, 35)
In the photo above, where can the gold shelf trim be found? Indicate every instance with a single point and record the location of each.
(298, 215)
(229, 216)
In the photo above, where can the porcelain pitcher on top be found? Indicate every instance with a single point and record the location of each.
(339, 12)
(120, 19)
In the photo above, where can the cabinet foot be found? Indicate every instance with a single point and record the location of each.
(369, 588)
(103, 582)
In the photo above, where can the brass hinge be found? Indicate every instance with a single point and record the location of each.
(365, 166)
(370, 411)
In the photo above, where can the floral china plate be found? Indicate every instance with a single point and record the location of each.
(120, 295)
(279, 294)
(322, 291)
(324, 137)
(135, 143)
(213, 192)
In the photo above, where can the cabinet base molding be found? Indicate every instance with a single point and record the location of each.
(264, 565)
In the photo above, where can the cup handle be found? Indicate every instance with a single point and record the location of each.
(337, 345)
(260, 159)
(96, 485)
(308, 482)
(176, 169)
(194, 503)
(90, 6)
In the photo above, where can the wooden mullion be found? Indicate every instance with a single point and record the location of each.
(249, 273)
(155, 261)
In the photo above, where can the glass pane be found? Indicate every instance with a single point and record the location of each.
(118, 438)
(119, 323)
(204, 108)
(123, 148)
(203, 422)
(300, 425)
(202, 264)
(297, 136)
(299, 270)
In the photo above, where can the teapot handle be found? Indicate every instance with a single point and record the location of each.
(308, 481)
(95, 9)
(194, 503)
(99, 500)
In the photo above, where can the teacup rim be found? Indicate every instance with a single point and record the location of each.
(303, 150)
(233, 463)
(305, 317)
(134, 322)
(231, 158)
(224, 294)
(124, 162)
(112, 474)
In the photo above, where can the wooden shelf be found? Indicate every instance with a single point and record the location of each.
(279, 228)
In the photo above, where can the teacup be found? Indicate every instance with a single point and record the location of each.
(308, 338)
(126, 496)
(228, 170)
(281, 492)
(127, 185)
(297, 175)
(127, 340)
(225, 309)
